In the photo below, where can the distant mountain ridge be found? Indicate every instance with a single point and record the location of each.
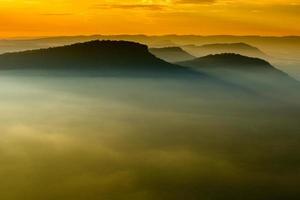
(233, 63)
(227, 72)
(171, 54)
(219, 48)
(239, 45)
(252, 73)
(229, 60)
(283, 50)
(272, 45)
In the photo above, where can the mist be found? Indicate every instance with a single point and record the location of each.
(144, 138)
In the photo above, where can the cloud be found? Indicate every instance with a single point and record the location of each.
(130, 6)
(195, 1)
(56, 14)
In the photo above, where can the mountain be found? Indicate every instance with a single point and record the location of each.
(229, 63)
(105, 56)
(281, 50)
(237, 48)
(171, 54)
(274, 46)
(251, 73)
(123, 58)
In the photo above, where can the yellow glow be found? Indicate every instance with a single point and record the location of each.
(204, 17)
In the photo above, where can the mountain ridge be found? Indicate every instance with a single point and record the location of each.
(232, 59)
(253, 73)
(171, 54)
(106, 55)
(220, 48)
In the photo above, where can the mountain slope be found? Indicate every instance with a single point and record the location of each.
(237, 48)
(226, 64)
(108, 56)
(252, 73)
(171, 54)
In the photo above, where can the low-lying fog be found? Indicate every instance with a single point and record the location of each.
(83, 138)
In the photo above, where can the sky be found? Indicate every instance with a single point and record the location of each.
(30, 18)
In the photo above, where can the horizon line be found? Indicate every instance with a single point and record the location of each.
(146, 35)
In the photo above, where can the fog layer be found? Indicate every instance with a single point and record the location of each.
(83, 138)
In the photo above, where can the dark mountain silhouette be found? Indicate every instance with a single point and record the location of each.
(229, 60)
(235, 63)
(237, 48)
(106, 56)
(282, 51)
(272, 44)
(252, 73)
(171, 54)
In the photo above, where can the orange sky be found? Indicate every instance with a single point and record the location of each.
(20, 18)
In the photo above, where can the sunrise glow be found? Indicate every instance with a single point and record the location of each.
(204, 17)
